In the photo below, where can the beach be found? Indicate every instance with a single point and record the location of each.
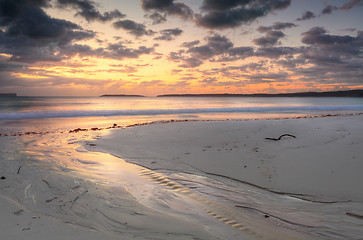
(321, 158)
(290, 178)
(181, 120)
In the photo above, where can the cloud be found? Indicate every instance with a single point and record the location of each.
(136, 29)
(120, 51)
(87, 10)
(151, 83)
(8, 67)
(332, 50)
(349, 5)
(156, 17)
(271, 38)
(229, 14)
(190, 44)
(276, 26)
(328, 9)
(318, 35)
(29, 35)
(267, 77)
(166, 7)
(116, 51)
(243, 52)
(272, 34)
(217, 48)
(169, 34)
(307, 16)
(216, 45)
(326, 59)
(191, 62)
(276, 52)
(209, 81)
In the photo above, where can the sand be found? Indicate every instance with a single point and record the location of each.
(188, 180)
(310, 180)
(325, 160)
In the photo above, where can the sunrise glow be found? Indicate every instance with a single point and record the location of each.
(140, 47)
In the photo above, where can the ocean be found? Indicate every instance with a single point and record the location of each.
(58, 112)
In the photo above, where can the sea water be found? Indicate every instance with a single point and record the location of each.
(100, 111)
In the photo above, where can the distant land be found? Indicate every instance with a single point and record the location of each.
(121, 95)
(8, 95)
(349, 93)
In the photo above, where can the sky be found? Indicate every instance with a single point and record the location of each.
(152, 47)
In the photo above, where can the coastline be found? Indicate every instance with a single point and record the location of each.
(204, 179)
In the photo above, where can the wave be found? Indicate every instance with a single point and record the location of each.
(145, 112)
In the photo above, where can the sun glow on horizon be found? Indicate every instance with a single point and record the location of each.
(120, 47)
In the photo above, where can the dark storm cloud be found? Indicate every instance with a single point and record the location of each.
(29, 35)
(167, 7)
(307, 16)
(136, 29)
(169, 34)
(230, 14)
(87, 10)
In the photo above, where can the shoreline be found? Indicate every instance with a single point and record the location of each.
(116, 126)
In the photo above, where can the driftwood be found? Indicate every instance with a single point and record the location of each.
(354, 215)
(18, 170)
(279, 138)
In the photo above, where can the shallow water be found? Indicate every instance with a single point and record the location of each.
(59, 107)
